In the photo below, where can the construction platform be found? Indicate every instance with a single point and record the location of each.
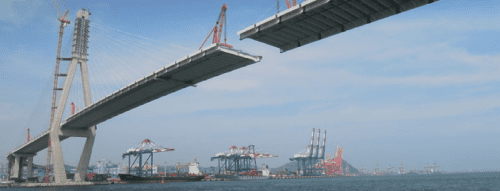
(188, 71)
(314, 20)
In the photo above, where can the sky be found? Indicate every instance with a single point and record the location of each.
(421, 86)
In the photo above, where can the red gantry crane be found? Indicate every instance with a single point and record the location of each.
(217, 30)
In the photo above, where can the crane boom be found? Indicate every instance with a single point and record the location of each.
(57, 8)
(288, 4)
(220, 23)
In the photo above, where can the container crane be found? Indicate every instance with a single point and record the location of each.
(217, 30)
(145, 147)
(64, 21)
(239, 160)
(307, 160)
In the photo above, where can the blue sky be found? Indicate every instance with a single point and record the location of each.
(420, 86)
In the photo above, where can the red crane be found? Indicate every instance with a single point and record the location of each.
(217, 30)
(288, 3)
(64, 21)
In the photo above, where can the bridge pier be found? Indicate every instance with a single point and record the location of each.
(15, 166)
(29, 168)
(17, 170)
(81, 170)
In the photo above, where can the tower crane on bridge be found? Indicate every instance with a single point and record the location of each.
(217, 30)
(64, 21)
(288, 3)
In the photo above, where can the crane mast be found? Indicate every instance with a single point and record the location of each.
(312, 144)
(316, 152)
(64, 22)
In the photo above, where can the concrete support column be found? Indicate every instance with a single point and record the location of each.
(81, 170)
(89, 143)
(10, 164)
(57, 155)
(29, 171)
(18, 168)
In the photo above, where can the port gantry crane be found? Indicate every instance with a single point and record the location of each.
(145, 147)
(217, 30)
(239, 160)
(307, 160)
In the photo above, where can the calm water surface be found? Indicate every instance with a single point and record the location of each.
(466, 181)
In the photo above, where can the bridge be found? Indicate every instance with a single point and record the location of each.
(197, 67)
(204, 64)
(299, 25)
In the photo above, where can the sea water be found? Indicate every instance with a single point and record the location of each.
(462, 181)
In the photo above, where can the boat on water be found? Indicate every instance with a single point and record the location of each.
(130, 178)
(194, 175)
(262, 174)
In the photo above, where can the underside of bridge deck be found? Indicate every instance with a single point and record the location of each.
(314, 20)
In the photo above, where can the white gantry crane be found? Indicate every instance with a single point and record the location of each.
(145, 147)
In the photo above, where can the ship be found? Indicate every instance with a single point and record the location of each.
(145, 174)
(194, 175)
(130, 178)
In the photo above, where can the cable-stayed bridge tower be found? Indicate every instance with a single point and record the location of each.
(79, 57)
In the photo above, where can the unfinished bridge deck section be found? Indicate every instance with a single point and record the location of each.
(197, 67)
(314, 20)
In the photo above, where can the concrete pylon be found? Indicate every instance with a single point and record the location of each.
(89, 143)
(80, 41)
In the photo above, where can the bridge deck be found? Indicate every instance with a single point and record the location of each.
(199, 66)
(314, 20)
